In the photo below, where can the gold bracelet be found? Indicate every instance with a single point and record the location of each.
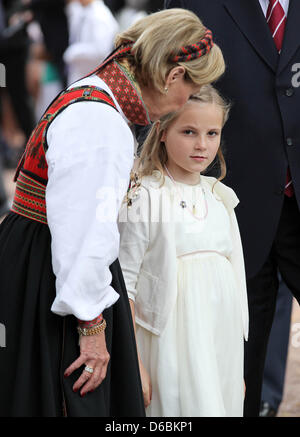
(94, 330)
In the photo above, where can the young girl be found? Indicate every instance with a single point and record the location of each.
(183, 266)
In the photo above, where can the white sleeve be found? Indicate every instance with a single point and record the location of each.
(134, 239)
(89, 158)
(237, 261)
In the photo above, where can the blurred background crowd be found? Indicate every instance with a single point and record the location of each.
(45, 45)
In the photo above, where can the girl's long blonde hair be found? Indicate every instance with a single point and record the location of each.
(154, 154)
(158, 37)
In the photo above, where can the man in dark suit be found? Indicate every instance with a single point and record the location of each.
(262, 139)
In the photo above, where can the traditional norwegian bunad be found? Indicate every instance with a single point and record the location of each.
(59, 249)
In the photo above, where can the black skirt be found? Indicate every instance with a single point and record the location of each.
(40, 345)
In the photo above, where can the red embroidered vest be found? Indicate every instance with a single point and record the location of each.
(32, 172)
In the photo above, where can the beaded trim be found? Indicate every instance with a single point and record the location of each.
(29, 199)
(90, 323)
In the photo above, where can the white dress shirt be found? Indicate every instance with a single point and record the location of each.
(92, 30)
(265, 4)
(90, 155)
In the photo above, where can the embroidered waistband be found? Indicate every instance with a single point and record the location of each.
(29, 199)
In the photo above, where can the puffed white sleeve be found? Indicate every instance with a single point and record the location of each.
(237, 261)
(134, 239)
(89, 156)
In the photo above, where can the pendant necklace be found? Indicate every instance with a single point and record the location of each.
(183, 203)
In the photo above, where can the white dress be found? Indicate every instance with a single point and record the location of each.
(196, 364)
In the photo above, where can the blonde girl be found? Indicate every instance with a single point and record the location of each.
(182, 261)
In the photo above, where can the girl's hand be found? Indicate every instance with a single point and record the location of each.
(93, 353)
(146, 385)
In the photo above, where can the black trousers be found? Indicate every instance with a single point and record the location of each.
(262, 294)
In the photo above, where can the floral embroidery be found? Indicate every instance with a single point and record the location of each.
(134, 188)
(119, 78)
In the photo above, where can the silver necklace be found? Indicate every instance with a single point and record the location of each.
(183, 203)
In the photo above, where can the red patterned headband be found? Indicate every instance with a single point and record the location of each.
(185, 54)
(193, 51)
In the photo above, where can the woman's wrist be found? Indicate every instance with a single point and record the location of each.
(91, 327)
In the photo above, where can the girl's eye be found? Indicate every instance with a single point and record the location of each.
(213, 133)
(188, 132)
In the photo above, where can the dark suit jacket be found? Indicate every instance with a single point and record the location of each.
(262, 136)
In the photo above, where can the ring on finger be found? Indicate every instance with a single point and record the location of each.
(89, 369)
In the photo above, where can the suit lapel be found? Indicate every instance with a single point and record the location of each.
(291, 39)
(249, 17)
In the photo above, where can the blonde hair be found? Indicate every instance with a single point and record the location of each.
(154, 154)
(158, 38)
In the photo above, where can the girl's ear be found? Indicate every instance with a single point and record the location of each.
(157, 127)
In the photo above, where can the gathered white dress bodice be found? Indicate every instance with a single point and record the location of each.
(204, 228)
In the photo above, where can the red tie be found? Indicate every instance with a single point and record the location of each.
(276, 20)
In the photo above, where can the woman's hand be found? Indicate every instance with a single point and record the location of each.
(93, 353)
(146, 385)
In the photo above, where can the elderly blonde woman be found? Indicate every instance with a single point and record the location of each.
(59, 245)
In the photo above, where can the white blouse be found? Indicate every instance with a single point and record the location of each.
(90, 155)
